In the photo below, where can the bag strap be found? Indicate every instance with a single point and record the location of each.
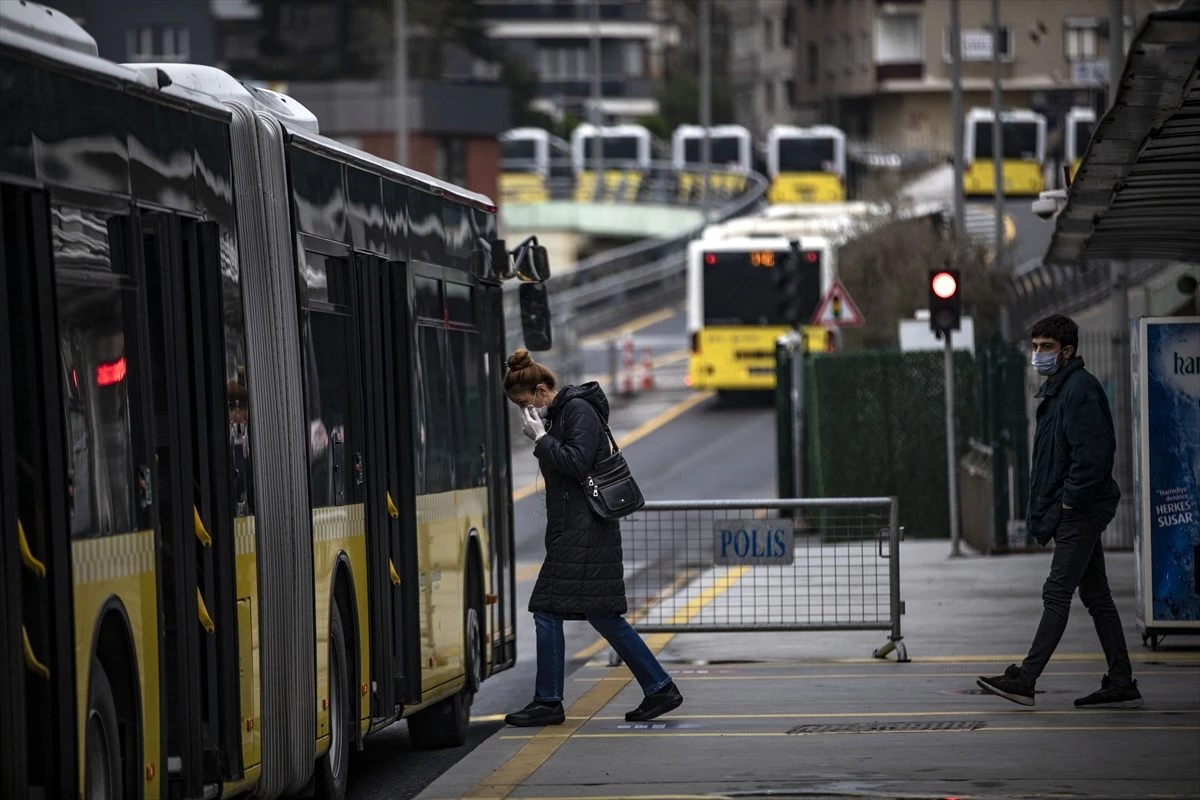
(611, 440)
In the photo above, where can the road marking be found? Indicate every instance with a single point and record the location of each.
(527, 572)
(903, 714)
(636, 325)
(1010, 230)
(664, 360)
(1151, 658)
(645, 429)
(675, 585)
(891, 674)
(985, 729)
(506, 778)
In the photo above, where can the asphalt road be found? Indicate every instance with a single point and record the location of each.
(710, 450)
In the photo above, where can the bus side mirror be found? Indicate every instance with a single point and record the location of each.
(535, 266)
(535, 316)
(502, 265)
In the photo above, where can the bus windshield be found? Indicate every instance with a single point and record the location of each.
(725, 150)
(616, 148)
(1084, 128)
(1020, 140)
(806, 155)
(518, 150)
(740, 287)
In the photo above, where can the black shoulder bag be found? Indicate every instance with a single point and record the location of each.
(610, 489)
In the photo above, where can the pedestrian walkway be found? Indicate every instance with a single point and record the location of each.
(813, 715)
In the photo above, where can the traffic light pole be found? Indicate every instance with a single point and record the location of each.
(951, 466)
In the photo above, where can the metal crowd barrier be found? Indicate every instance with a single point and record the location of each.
(827, 564)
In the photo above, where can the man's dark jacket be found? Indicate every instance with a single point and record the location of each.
(582, 573)
(1073, 450)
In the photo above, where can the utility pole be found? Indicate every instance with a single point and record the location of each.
(956, 127)
(997, 133)
(951, 449)
(400, 78)
(597, 114)
(1118, 278)
(705, 99)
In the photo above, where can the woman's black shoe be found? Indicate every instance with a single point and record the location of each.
(537, 714)
(654, 705)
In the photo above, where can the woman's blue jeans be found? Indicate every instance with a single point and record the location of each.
(551, 655)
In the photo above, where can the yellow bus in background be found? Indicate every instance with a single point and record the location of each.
(806, 165)
(1023, 136)
(1080, 126)
(734, 308)
(529, 159)
(255, 500)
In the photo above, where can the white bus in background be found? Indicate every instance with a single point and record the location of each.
(806, 165)
(730, 147)
(1080, 126)
(624, 146)
(533, 150)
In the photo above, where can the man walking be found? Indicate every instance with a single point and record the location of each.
(1072, 498)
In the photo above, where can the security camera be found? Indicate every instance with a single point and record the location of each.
(1050, 203)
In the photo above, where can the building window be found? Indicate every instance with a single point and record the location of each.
(768, 34)
(168, 43)
(899, 39)
(830, 55)
(789, 89)
(789, 26)
(814, 63)
(847, 51)
(563, 63)
(768, 92)
(864, 46)
(1079, 41)
(635, 60)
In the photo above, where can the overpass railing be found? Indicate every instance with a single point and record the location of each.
(659, 183)
(614, 285)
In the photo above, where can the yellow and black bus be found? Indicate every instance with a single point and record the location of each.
(1079, 127)
(806, 165)
(1023, 139)
(734, 308)
(255, 501)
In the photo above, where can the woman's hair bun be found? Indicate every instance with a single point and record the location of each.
(520, 359)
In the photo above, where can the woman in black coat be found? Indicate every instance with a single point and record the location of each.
(582, 576)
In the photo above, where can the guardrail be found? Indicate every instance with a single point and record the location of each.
(618, 284)
(818, 564)
(659, 183)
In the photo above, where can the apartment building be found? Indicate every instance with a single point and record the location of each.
(881, 70)
(763, 36)
(554, 38)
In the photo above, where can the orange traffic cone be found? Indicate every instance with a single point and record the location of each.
(627, 367)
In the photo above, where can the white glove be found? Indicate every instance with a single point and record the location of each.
(532, 424)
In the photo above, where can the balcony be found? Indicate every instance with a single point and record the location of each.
(609, 11)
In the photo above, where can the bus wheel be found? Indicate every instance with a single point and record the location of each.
(103, 775)
(334, 769)
(447, 723)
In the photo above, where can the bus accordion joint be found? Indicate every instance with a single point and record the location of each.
(201, 531)
(30, 560)
(206, 620)
(393, 512)
(31, 661)
(395, 576)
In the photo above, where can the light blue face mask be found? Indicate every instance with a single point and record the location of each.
(1045, 363)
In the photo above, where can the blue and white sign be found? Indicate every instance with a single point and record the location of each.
(753, 541)
(1167, 397)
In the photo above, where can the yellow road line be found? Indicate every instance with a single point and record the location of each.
(645, 429)
(675, 585)
(505, 779)
(1010, 229)
(893, 674)
(630, 327)
(528, 572)
(908, 714)
(1172, 658)
(761, 734)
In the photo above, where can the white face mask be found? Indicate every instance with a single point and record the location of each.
(543, 412)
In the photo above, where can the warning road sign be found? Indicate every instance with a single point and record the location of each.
(837, 309)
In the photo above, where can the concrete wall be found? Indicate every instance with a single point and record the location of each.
(599, 219)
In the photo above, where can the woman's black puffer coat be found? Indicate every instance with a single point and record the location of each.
(582, 573)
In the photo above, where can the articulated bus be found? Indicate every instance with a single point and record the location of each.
(731, 154)
(1023, 136)
(530, 157)
(1080, 126)
(255, 498)
(734, 314)
(626, 150)
(806, 165)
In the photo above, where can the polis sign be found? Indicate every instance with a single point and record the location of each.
(753, 541)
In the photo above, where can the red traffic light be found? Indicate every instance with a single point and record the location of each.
(944, 285)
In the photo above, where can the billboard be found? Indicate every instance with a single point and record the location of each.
(1166, 402)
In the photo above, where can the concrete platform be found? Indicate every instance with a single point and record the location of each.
(814, 715)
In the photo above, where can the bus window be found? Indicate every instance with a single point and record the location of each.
(94, 311)
(1020, 140)
(725, 150)
(1084, 128)
(519, 153)
(434, 421)
(616, 148)
(467, 396)
(739, 289)
(807, 155)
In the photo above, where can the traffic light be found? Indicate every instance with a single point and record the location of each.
(788, 280)
(945, 300)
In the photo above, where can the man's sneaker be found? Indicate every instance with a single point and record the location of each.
(1112, 695)
(654, 705)
(537, 714)
(1012, 685)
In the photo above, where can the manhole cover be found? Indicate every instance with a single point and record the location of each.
(887, 727)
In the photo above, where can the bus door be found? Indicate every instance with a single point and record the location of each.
(391, 505)
(37, 668)
(503, 607)
(192, 492)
